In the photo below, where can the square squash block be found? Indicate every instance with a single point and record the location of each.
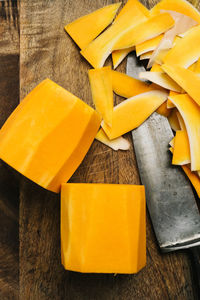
(103, 228)
(48, 135)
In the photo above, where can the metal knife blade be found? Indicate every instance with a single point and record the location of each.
(170, 199)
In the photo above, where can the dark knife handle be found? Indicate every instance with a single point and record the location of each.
(195, 261)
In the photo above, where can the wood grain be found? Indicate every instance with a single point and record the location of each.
(47, 51)
(9, 187)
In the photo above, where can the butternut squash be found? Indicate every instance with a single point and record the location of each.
(182, 24)
(181, 121)
(98, 50)
(127, 86)
(119, 55)
(173, 120)
(181, 6)
(186, 51)
(103, 228)
(102, 93)
(156, 68)
(163, 110)
(145, 31)
(193, 177)
(48, 135)
(130, 113)
(116, 144)
(161, 79)
(85, 29)
(187, 79)
(197, 67)
(146, 55)
(191, 115)
(170, 104)
(148, 45)
(181, 153)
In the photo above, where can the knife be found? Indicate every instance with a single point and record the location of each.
(170, 198)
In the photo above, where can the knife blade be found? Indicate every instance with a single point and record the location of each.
(170, 198)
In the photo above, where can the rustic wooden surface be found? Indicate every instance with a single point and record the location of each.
(9, 187)
(47, 51)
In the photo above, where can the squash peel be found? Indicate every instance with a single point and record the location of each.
(102, 92)
(85, 29)
(116, 144)
(181, 153)
(191, 115)
(187, 79)
(130, 113)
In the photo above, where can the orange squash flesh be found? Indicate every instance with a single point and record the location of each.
(186, 51)
(51, 131)
(102, 93)
(119, 55)
(130, 113)
(187, 79)
(191, 115)
(181, 153)
(98, 50)
(103, 228)
(181, 6)
(148, 45)
(163, 110)
(145, 31)
(85, 29)
(173, 120)
(127, 86)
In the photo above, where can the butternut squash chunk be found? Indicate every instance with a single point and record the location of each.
(181, 153)
(102, 93)
(170, 104)
(148, 45)
(119, 55)
(186, 51)
(191, 115)
(193, 177)
(98, 50)
(181, 6)
(161, 79)
(85, 29)
(116, 144)
(103, 228)
(145, 31)
(187, 79)
(48, 135)
(132, 112)
(127, 86)
(197, 67)
(173, 120)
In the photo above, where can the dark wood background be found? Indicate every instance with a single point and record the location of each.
(30, 266)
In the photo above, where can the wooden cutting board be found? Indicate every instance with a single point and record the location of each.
(47, 51)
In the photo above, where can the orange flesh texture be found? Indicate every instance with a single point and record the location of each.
(187, 79)
(98, 50)
(191, 115)
(102, 93)
(145, 31)
(45, 130)
(130, 113)
(103, 228)
(85, 29)
(181, 153)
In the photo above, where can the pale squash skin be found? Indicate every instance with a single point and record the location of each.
(51, 130)
(103, 228)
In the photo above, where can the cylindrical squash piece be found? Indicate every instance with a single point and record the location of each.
(48, 135)
(103, 228)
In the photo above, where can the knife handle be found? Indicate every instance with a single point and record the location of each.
(195, 260)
